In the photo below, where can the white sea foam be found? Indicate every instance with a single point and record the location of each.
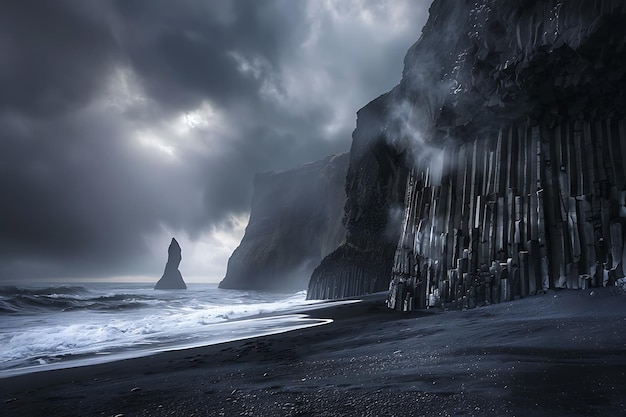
(51, 328)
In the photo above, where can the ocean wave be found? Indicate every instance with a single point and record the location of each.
(14, 300)
(122, 331)
(9, 290)
(71, 353)
(6, 307)
(33, 304)
(63, 322)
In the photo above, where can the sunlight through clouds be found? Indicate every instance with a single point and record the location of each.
(204, 117)
(151, 140)
(165, 112)
(186, 132)
(124, 94)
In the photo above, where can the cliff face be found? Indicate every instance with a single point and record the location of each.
(496, 167)
(295, 221)
(374, 187)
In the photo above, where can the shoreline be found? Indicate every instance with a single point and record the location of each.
(62, 326)
(561, 353)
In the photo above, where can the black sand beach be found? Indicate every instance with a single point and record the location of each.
(558, 354)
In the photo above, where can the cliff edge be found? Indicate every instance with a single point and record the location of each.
(295, 221)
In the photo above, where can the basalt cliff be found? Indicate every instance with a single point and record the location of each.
(497, 167)
(295, 221)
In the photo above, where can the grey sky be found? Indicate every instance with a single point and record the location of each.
(124, 123)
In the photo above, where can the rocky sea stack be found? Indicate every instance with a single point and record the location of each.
(172, 278)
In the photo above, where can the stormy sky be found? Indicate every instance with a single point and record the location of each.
(124, 123)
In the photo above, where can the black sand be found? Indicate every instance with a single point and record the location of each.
(558, 354)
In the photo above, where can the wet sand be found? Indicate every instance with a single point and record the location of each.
(558, 354)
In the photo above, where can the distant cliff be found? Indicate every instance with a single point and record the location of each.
(496, 168)
(295, 221)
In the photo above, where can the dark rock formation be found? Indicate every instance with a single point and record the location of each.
(496, 168)
(295, 221)
(374, 182)
(172, 279)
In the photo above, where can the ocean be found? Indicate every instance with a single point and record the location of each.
(56, 326)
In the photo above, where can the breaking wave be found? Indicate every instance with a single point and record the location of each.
(57, 324)
(15, 300)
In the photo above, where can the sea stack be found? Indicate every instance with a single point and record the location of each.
(172, 279)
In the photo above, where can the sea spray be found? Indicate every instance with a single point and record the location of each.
(59, 326)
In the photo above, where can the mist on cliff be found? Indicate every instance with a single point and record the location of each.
(123, 124)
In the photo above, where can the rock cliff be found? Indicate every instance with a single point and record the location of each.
(497, 167)
(172, 278)
(295, 221)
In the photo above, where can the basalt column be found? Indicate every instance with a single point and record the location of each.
(525, 210)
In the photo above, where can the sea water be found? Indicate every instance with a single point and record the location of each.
(53, 326)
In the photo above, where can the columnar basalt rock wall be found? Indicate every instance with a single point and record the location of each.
(508, 124)
(527, 209)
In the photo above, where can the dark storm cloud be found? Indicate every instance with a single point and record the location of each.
(125, 120)
(52, 56)
(182, 50)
